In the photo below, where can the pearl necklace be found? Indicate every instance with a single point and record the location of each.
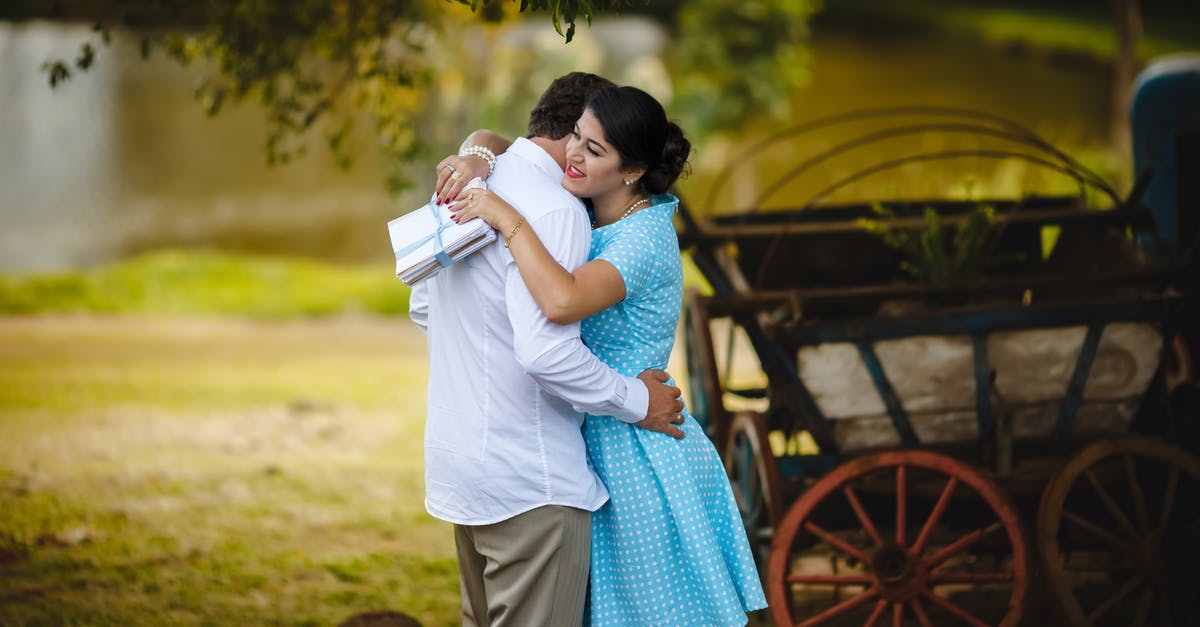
(628, 210)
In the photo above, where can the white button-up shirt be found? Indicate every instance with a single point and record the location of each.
(507, 387)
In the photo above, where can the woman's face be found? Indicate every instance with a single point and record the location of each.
(593, 164)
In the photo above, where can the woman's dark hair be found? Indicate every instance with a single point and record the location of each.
(638, 128)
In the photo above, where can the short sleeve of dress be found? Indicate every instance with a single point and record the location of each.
(632, 253)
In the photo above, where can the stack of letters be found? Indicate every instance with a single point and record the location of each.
(427, 240)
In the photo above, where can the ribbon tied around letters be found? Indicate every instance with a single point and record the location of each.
(441, 256)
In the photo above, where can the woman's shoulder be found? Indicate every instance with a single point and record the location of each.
(645, 235)
(667, 201)
(643, 227)
(660, 217)
(660, 211)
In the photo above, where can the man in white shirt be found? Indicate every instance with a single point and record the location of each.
(505, 459)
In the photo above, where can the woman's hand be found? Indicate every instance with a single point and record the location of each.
(482, 203)
(455, 171)
(564, 297)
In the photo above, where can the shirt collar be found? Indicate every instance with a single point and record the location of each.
(538, 156)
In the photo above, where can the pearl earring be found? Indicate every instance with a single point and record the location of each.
(630, 182)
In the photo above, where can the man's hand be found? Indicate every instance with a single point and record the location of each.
(663, 414)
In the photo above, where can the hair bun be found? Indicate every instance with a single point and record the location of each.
(662, 175)
(637, 126)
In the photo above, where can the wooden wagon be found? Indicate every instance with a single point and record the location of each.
(927, 454)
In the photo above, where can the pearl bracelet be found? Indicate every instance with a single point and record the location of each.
(481, 152)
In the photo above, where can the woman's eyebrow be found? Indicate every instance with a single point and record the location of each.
(597, 145)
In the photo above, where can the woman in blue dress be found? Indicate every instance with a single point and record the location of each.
(671, 516)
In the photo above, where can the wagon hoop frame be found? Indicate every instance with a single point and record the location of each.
(1082, 177)
(1018, 130)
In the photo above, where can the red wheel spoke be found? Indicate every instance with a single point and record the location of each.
(919, 610)
(1095, 530)
(1127, 587)
(835, 580)
(1144, 607)
(840, 608)
(1169, 498)
(1135, 488)
(877, 613)
(863, 519)
(960, 545)
(935, 516)
(901, 504)
(940, 578)
(898, 615)
(956, 610)
(1110, 504)
(837, 542)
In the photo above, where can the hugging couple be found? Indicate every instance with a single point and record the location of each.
(580, 490)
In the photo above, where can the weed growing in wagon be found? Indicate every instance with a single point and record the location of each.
(939, 253)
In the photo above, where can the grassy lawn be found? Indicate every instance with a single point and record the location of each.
(189, 282)
(223, 471)
(205, 438)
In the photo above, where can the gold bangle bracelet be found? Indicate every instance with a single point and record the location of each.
(513, 232)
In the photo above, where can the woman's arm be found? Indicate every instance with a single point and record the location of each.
(467, 166)
(564, 297)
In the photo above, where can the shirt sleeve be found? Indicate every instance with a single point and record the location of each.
(553, 355)
(418, 305)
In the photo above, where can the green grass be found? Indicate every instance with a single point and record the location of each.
(202, 471)
(194, 438)
(217, 284)
(211, 283)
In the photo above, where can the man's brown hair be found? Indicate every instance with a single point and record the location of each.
(562, 103)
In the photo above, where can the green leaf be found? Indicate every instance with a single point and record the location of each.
(58, 72)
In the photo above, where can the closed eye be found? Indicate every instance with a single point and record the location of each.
(591, 143)
(596, 148)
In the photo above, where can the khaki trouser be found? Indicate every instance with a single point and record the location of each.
(528, 571)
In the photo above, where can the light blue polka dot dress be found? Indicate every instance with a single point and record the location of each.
(669, 547)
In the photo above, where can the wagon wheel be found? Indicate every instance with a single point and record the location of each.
(754, 478)
(899, 536)
(704, 384)
(1119, 534)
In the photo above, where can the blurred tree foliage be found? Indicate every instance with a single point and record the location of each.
(318, 66)
(733, 58)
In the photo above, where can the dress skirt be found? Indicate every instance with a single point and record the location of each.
(669, 547)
